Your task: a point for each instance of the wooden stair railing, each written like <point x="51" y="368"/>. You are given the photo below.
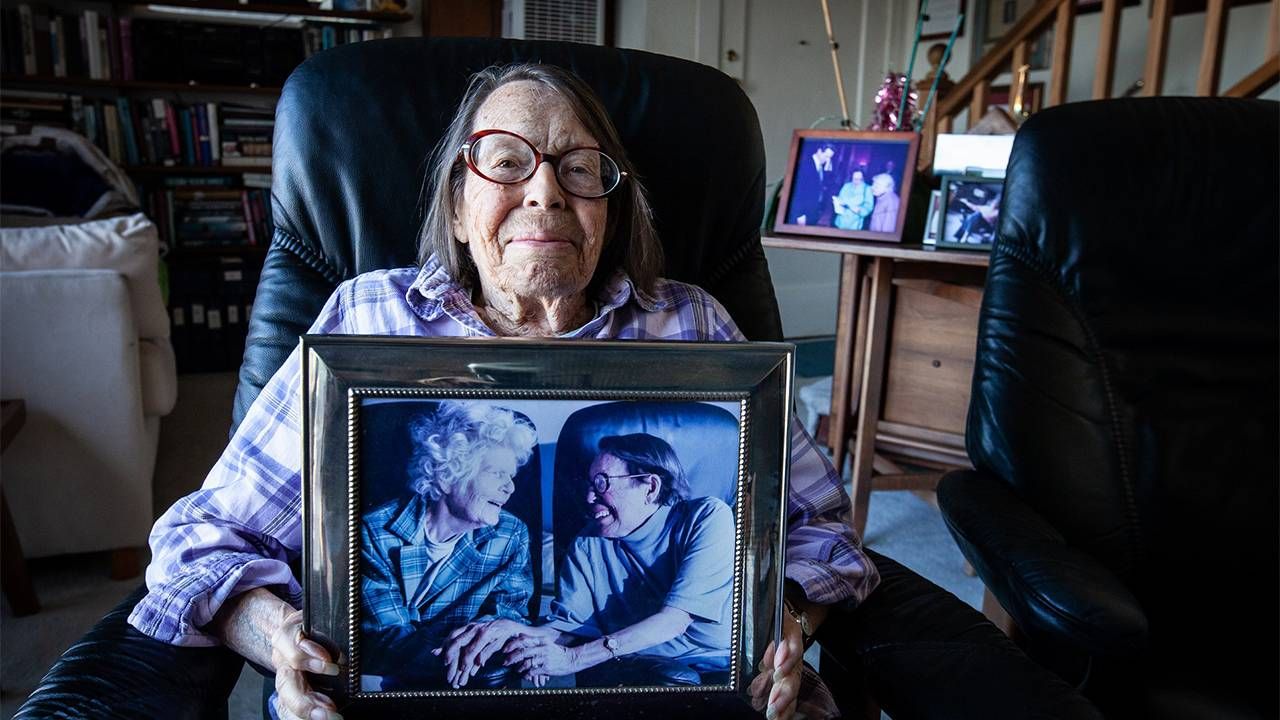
<point x="1011" y="53"/>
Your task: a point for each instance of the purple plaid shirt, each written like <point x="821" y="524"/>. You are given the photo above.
<point x="244" y="526"/>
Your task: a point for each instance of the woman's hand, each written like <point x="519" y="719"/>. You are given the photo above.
<point x="469" y="647"/>
<point x="293" y="654"/>
<point x="539" y="656"/>
<point x="775" y="690"/>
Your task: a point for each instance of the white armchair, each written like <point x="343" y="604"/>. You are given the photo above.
<point x="84" y="340"/>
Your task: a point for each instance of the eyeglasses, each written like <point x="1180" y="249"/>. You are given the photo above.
<point x="600" y="481"/>
<point x="507" y="159"/>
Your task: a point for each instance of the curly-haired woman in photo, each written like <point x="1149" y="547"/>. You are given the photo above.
<point x="445" y="553"/>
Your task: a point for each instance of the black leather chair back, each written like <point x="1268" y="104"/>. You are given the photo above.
<point x="355" y="124"/>
<point x="1126" y="374"/>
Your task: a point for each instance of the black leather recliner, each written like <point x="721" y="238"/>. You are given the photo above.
<point x="353" y="127"/>
<point x="1125" y="403"/>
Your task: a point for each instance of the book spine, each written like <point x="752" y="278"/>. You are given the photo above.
<point x="184" y="126"/>
<point x="60" y="56"/>
<point x="248" y="217"/>
<point x="126" y="131"/>
<point x="104" y="59"/>
<point x="28" y="39"/>
<point x="114" y="60"/>
<point x="175" y="137"/>
<point x="201" y="130"/>
<point x="113" y="134"/>
<point x="92" y="50"/>
<point x="215" y="139"/>
<point x="126" y="48"/>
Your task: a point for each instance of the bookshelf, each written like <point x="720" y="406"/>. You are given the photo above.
<point x="181" y="95"/>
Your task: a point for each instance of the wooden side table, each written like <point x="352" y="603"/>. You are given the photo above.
<point x="13" y="566"/>
<point x="906" y="330"/>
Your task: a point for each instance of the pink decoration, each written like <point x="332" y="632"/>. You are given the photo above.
<point x="888" y="100"/>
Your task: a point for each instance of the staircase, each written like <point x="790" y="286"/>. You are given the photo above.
<point x="1011" y="53"/>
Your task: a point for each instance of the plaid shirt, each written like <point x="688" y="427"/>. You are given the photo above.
<point x="486" y="577"/>
<point x="244" y="526"/>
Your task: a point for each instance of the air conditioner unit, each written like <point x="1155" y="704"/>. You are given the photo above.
<point x="572" y="20"/>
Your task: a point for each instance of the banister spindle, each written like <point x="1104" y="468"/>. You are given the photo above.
<point x="1215" y="29"/>
<point x="1157" y="46"/>
<point x="1061" y="72"/>
<point x="1108" y="38"/>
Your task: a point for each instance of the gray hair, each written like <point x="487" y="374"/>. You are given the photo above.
<point x="645" y="453"/>
<point x="448" y="444"/>
<point x="630" y="240"/>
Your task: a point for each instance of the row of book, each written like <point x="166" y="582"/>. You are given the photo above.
<point x="209" y="307"/>
<point x="156" y="131"/>
<point x="39" y="40"/>
<point x="211" y="217"/>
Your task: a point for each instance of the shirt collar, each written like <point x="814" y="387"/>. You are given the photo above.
<point x="434" y="288"/>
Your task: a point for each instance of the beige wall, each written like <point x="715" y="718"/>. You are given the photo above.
<point x="785" y="68"/>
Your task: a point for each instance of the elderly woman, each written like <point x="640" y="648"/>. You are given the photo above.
<point x="884" y="218"/>
<point x="537" y="226"/>
<point x="446" y="554"/>
<point x="854" y="203"/>
<point x="644" y="592"/>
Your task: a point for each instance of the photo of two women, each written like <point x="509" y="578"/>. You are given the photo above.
<point x="517" y="543"/>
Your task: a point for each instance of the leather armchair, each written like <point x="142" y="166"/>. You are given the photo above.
<point x="1123" y="424"/>
<point x="352" y="129"/>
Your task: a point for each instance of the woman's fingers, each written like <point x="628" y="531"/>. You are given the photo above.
<point x="290" y="649"/>
<point x="295" y="698"/>
<point x="790" y="653"/>
<point x="759" y="690"/>
<point x="483" y="644"/>
<point x="782" y="699"/>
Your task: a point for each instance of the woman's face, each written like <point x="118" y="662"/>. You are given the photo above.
<point x="531" y="239"/>
<point x="625" y="505"/>
<point x="477" y="500"/>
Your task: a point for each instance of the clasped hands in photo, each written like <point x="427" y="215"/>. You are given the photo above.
<point x="533" y="652"/>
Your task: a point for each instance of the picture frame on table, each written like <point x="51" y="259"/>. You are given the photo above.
<point x="932" y="219"/>
<point x="969" y="211"/>
<point x="502" y="444"/>
<point x="848" y="184"/>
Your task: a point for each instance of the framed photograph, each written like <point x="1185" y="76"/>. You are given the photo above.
<point x="970" y="211"/>
<point x="847" y="184"/>
<point x="475" y="508"/>
<point x="933" y="218"/>
<point x="941" y="19"/>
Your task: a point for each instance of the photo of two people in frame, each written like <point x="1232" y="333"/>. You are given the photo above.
<point x="516" y="543"/>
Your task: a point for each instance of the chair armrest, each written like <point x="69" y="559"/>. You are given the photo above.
<point x="1047" y="586"/>
<point x="114" y="671"/>
<point x="923" y="653"/>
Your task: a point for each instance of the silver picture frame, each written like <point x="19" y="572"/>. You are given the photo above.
<point x="358" y="392"/>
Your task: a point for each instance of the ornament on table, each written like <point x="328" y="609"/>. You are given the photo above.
<point x="889" y="103"/>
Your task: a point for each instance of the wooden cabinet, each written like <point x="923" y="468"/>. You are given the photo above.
<point x="906" y="332"/>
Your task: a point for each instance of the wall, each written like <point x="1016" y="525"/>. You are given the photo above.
<point x="786" y="71"/>
<point x="1245" y="44"/>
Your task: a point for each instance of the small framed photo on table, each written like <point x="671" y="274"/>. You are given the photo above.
<point x="847" y="184"/>
<point x="474" y="508"/>
<point x="970" y="210"/>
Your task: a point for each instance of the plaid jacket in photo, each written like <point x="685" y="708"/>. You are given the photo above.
<point x="487" y="576"/>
